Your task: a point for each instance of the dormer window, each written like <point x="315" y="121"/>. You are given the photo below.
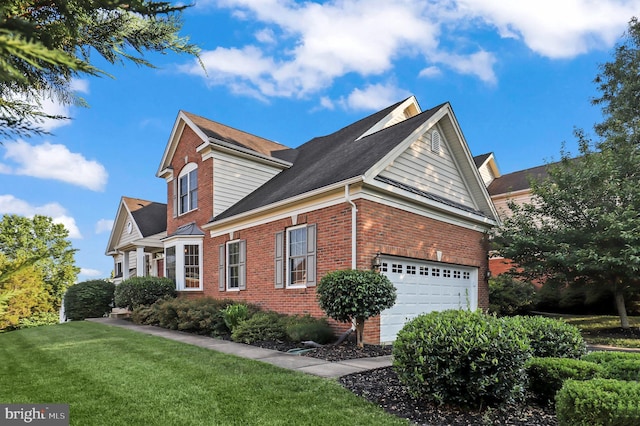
<point x="188" y="188"/>
<point x="435" y="141"/>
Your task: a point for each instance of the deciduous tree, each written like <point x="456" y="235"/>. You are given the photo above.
<point x="583" y="223"/>
<point x="36" y="263"/>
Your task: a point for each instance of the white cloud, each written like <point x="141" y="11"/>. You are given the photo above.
<point x="556" y="29"/>
<point x="375" y="96"/>
<point x="80" y="86"/>
<point x="12" y="205"/>
<point x="88" y="272"/>
<point x="54" y="161"/>
<point x="320" y="42"/>
<point x="266" y="36"/>
<point x="309" y="45"/>
<point x="431" y="71"/>
<point x="104" y="225"/>
<point x="51" y="105"/>
<point x="479" y="64"/>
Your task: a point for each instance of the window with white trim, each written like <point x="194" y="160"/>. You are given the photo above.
<point x="233" y="265"/>
<point x="191" y="266"/>
<point x="188" y="188"/>
<point x="297" y="256"/>
<point x="183" y="264"/>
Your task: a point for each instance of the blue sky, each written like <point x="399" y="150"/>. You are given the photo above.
<point x="519" y="75"/>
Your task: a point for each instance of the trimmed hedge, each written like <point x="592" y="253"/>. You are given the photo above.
<point x="462" y="357"/>
<point x="546" y="375"/>
<point x="200" y="316"/>
<point x="88" y="299"/>
<point x="261" y="326"/>
<point x="551" y="337"/>
<point x="617" y="365"/>
<point x="137" y="291"/>
<point x="303" y="328"/>
<point x="602" y="357"/>
<point x="598" y="402"/>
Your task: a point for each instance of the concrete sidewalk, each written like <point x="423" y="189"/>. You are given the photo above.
<point x="304" y="364"/>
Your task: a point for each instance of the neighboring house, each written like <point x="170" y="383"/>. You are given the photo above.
<point x="252" y="220"/>
<point x="504" y="188"/>
<point x="136" y="238"/>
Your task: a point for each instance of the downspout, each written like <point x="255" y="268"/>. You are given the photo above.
<point x="354" y="213"/>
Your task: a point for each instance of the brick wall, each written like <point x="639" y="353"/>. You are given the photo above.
<point x="186" y="153"/>
<point x="380" y="229"/>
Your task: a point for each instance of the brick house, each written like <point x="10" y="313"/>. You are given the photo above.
<point x="251" y="220"/>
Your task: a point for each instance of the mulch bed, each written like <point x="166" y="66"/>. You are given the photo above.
<point x="382" y="387"/>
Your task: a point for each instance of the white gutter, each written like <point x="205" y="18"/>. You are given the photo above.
<point x="354" y="211"/>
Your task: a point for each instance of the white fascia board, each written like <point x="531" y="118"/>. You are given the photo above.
<point x="207" y="148"/>
<point x="512" y="194"/>
<point x="183" y="238"/>
<point x="383" y="122"/>
<point x="289" y="201"/>
<point x="178" y="127"/>
<point x="439" y="211"/>
<point x="471" y="164"/>
<point x="118" y="224"/>
<point x="377" y="168"/>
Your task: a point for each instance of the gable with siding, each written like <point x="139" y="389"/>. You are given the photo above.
<point x="427" y="170"/>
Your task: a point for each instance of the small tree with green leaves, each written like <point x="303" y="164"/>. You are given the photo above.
<point x="350" y="294"/>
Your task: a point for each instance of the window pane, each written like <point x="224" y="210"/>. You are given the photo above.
<point x="193" y="189"/>
<point x="298" y="270"/>
<point x="170" y="262"/>
<point x="297" y="242"/>
<point x="233" y="261"/>
<point x="191" y="266"/>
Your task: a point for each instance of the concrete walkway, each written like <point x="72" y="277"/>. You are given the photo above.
<point x="304" y="364"/>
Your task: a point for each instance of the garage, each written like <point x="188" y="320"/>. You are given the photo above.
<point x="425" y="287"/>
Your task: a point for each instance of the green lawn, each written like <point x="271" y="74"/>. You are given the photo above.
<point x="594" y="329"/>
<point x="112" y="376"/>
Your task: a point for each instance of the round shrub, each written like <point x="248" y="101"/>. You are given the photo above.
<point x="351" y="294"/>
<point x="552" y="337"/>
<point x="509" y="296"/>
<point x="88" y="299"/>
<point x="261" y="326"/>
<point x="461" y="357"/>
<point x="137" y="291"/>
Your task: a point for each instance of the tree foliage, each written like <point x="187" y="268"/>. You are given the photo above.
<point x="36" y="265"/>
<point x="350" y="294"/>
<point x="44" y="44"/>
<point x="583" y="223"/>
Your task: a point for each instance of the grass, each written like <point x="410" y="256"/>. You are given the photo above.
<point x="595" y="329"/>
<point x="112" y="376"/>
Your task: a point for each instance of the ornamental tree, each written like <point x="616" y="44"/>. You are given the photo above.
<point x="355" y="295"/>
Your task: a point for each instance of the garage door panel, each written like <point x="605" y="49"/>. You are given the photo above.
<point x="425" y="287"/>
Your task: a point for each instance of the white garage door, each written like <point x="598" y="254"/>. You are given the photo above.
<point x="425" y="287"/>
